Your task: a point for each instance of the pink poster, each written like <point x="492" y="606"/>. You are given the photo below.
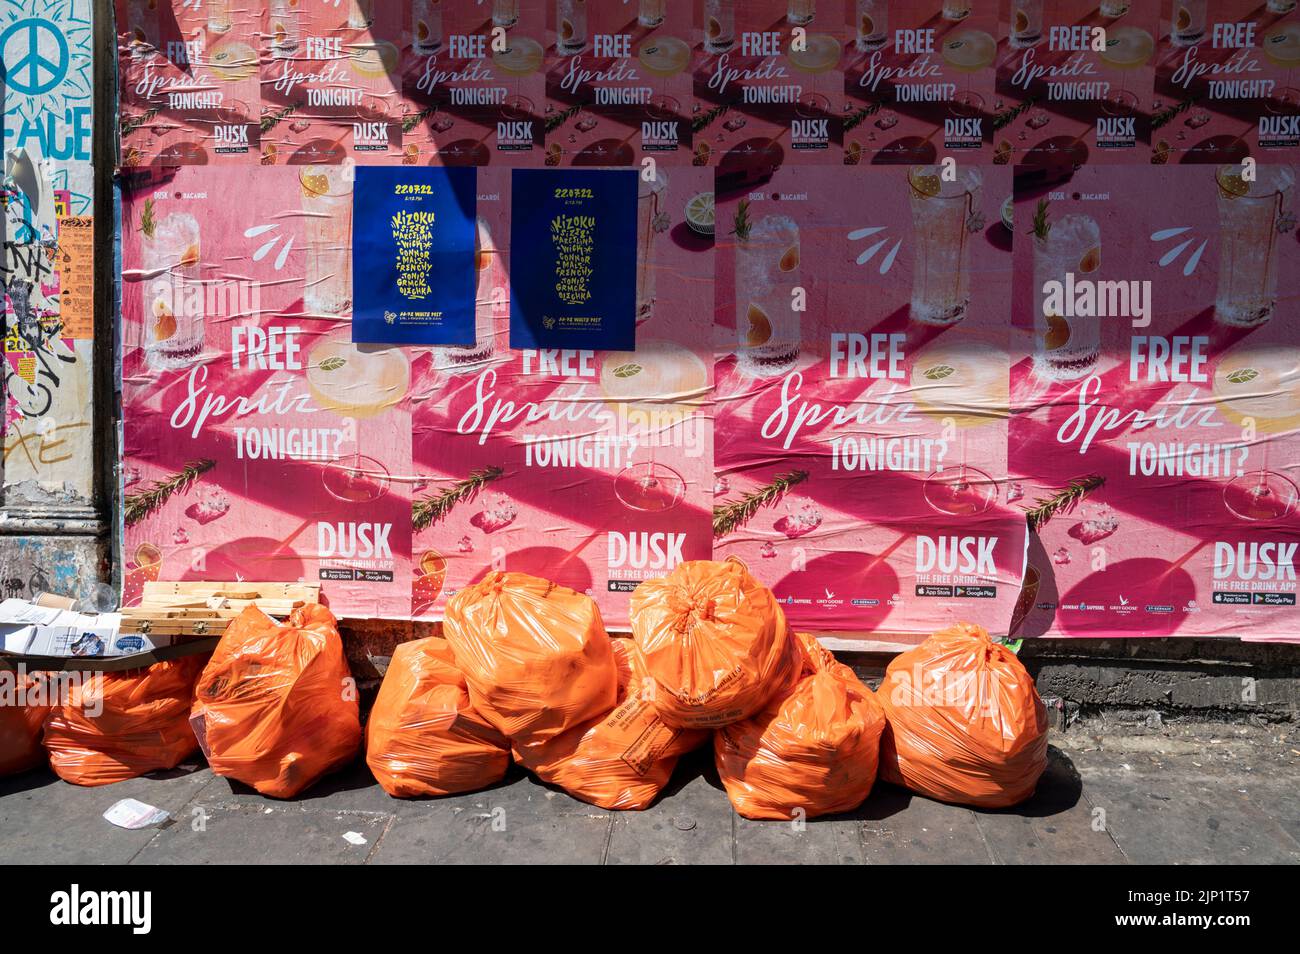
<point x="188" y="82"/>
<point x="1074" y="83"/>
<point x="259" y="442"/>
<point x="1225" y="83"/>
<point x="1157" y="400"/>
<point x="593" y="469"/>
<point x="618" y="83"/>
<point x="473" y="82"/>
<point x="862" y="401"/>
<point x="769" y="85"/>
<point x="920" y="80"/>
<point x="331" y="81"/>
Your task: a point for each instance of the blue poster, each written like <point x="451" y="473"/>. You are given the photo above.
<point x="573" y="259"/>
<point x="413" y="234"/>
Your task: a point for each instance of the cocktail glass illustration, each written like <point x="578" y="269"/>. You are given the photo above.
<point x="651" y="12"/>
<point x="571" y="26"/>
<point x="357" y="382"/>
<point x="650" y="205"/>
<point x="942" y="218"/>
<point x="800" y="12"/>
<point x="174" y="293"/>
<point x="361" y="14"/>
<point x="1114" y="8"/>
<point x="719" y="25"/>
<point x="968" y="52"/>
<point x="143" y="25"/>
<point x="1189" y="22"/>
<point x="505" y="13"/>
<point x="652" y="391"/>
<point x="1260" y="383"/>
<point x="219" y="16"/>
<point x="489" y="298"/>
<point x="873" y="24"/>
<point x="1281" y="44"/>
<point x="1065" y="348"/>
<point x="1127" y="48"/>
<point x="956" y="9"/>
<point x="768" y="336"/>
<point x="1249" y="215"/>
<point x="283" y="27"/>
<point x="1026" y="23"/>
<point x="426" y="26"/>
<point x="327" y="205"/>
<point x="965" y="385"/>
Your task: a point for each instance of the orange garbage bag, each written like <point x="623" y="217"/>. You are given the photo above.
<point x="23" y="708"/>
<point x="816" y="748"/>
<point x="966" y="724"/>
<point x="715" y="642"/>
<point x="119" y="725"/>
<point x="535" y="655"/>
<point x="275" y="707"/>
<point x="621" y="760"/>
<point x="423" y="736"/>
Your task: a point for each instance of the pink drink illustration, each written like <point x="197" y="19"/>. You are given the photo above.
<point x="174" y="292"/>
<point x="943" y="214"/>
<point x="1249" y="216"/>
<point x="1066" y="348"/>
<point x="767" y="272"/>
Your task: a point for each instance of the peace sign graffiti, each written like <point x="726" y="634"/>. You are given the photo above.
<point x="27" y="68"/>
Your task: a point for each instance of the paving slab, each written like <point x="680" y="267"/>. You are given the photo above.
<point x="691" y="823"/>
<point x="271" y="834"/>
<point x="900" y="828"/>
<point x="44" y="820"/>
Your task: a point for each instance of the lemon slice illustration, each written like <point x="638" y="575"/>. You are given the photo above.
<point x="374" y="59"/>
<point x="233" y="60"/>
<point x="664" y="55"/>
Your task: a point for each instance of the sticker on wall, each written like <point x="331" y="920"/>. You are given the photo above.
<point x="574" y="285"/>
<point x="413" y="255"/>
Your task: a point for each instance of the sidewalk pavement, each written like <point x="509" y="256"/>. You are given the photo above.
<point x="1228" y="794"/>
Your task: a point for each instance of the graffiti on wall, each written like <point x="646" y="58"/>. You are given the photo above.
<point x="46" y="197"/>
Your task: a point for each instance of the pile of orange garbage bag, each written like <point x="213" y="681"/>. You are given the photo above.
<point x="276" y="707"/>
<point x="424" y="736"/>
<point x="966" y="724"/>
<point x="118" y="725"/>
<point x="535" y="655"/>
<point x="815" y="749"/>
<point x="21" y="721"/>
<point x="620" y="760"/>
<point x="714" y="641"/>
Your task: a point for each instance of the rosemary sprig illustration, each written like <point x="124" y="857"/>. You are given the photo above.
<point x="147" y="222"/>
<point x="1009" y="116"/>
<point x="1166" y="115"/>
<point x="410" y="122"/>
<point x="138" y="506"/>
<point x="704" y="119"/>
<point x="556" y="120"/>
<point x="1042" y="224"/>
<point x="1063" y="501"/>
<point x="431" y="509"/>
<point x="855" y="119"/>
<point x="740" y="228"/>
<point x="271" y="120"/>
<point x="131" y="124"/>
<point x="734" y="514"/>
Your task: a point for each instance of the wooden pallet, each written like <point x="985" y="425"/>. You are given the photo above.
<point x="205" y="609"/>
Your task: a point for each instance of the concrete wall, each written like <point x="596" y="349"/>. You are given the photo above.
<point x="58" y="429"/>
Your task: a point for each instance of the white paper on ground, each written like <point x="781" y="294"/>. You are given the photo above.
<point x="133" y="814"/>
